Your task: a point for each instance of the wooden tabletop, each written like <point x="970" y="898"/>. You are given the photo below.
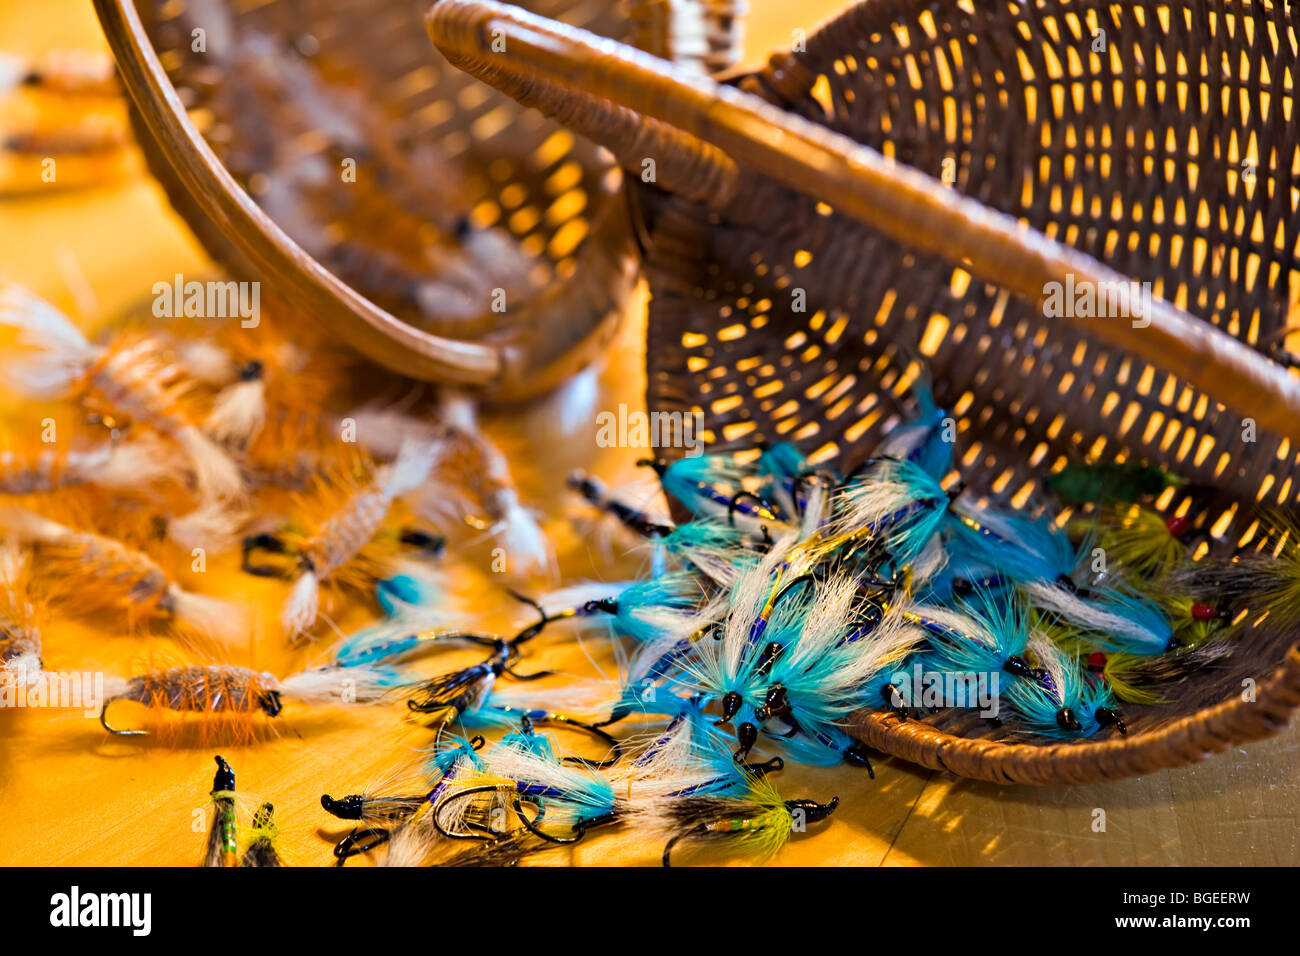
<point x="72" y="795"/>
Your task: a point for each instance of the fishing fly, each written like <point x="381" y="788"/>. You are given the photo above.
<point x="222" y="849"/>
<point x="136" y="377"/>
<point x="757" y="823"/>
<point x="117" y="466"/>
<point x="342" y="547"/>
<point x="239" y="693"/>
<point x="260" y="851"/>
<point x="102" y="573"/>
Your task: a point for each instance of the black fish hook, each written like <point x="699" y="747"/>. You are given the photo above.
<point x="615" y="748"/>
<point x="532" y="630"/>
<point x="802" y="580"/>
<point x="580" y="828"/>
<point x="806" y="478"/>
<point x="564" y="720"/>
<point x="813" y="812"/>
<point x="776" y="703"/>
<point x="731" y="704"/>
<point x="677" y="838"/>
<point x="355" y="843"/>
<point x="857" y="755"/>
<point x="594" y="493"/>
<point x="544" y="618"/>
<point x="774" y="765"/>
<point x="762" y="502"/>
<point x="485" y="833"/>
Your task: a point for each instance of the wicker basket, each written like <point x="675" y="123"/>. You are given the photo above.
<point x="821" y="178"/>
<point x="441" y="163"/>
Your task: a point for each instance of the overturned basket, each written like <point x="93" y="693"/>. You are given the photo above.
<point x="817" y="185"/>
<point x="430" y="223"/>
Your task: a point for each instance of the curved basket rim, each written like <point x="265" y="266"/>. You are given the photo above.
<point x="346" y="312"/>
<point x="1179" y="743"/>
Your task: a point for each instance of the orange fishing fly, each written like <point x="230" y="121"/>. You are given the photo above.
<point x="345" y="547"/>
<point x="101" y="573"/>
<point x="231" y="699"/>
<point x="136" y="376"/>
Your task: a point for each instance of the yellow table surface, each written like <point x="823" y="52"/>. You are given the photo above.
<point x="72" y="795"/>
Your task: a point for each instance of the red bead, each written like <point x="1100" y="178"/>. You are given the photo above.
<point x="1204" y="612"/>
<point x="1097" y="661"/>
<point x="1178" y="526"/>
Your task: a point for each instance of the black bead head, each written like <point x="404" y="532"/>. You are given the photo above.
<point x="270" y="703"/>
<point x="731" y="702"/>
<point x="1066" y="720"/>
<point x="349" y="808"/>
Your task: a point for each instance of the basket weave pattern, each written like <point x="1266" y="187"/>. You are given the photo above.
<point x="1088" y="148"/>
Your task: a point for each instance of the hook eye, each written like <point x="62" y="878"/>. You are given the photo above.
<point x="763" y="769"/>
<point x="858" y="756"/>
<point x="746" y="737"/>
<point x="1066" y="720"/>
<point x="814" y="812"/>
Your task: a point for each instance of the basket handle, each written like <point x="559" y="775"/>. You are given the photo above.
<point x="708" y="129"/>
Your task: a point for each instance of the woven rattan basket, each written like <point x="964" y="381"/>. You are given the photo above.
<point x="248" y="112"/>
<point x="1171" y="157"/>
